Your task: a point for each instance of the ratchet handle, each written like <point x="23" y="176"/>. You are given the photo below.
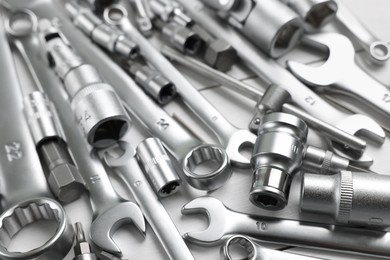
<point x="297" y="233"/>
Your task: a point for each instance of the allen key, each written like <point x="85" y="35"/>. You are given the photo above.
<point x="334" y="133"/>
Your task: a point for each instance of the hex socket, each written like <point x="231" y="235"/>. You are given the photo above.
<point x="353" y="198"/>
<point x="158" y="167"/>
<point x="181" y="38"/>
<point x="278" y="153"/>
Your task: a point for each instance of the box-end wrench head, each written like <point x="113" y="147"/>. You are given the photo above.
<point x="255" y="251"/>
<point x="340" y="74"/>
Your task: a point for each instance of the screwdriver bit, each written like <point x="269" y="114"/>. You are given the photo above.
<point x="82" y="250"/>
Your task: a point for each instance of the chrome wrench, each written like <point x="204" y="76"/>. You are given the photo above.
<point x="255" y="251"/>
<point x="379" y="51"/>
<point x="230" y="137"/>
<point x="271" y="72"/>
<point x="110" y="211"/>
<point x="127" y="167"/>
<point x="340" y="73"/>
<point x="224" y="222"/>
<point x="23" y="186"/>
<point x="179" y="142"/>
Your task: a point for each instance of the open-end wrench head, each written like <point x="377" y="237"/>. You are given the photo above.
<point x="216" y="212"/>
<point x="238" y="141"/>
<point x="341" y="57"/>
<point x="105" y="225"/>
<point x="362" y="125"/>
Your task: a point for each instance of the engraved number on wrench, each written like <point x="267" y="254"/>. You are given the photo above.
<point x="14" y="151"/>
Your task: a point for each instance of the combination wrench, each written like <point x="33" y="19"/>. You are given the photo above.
<point x="187" y="149"/>
<point x="126" y="166"/>
<point x="379" y="51"/>
<point x="224" y="222"/>
<point x="340" y="73"/>
<point x="109" y="210"/>
<point x="272" y="73"/>
<point x="230" y="137"/>
<point x="25" y="195"/>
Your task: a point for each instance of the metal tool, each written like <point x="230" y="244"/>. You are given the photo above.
<point x="280" y="27"/>
<point x="379" y="51"/>
<point x="230" y="137"/>
<point x="280" y="151"/>
<point x="272" y="73"/>
<point x="255" y="251"/>
<point x="109" y="210"/>
<point x="126" y="165"/>
<point x="158" y="167"/>
<point x="180" y="37"/>
<point x="224" y="222"/>
<point x="315" y="13"/>
<point x="82" y="250"/>
<point x="142" y="18"/>
<point x="168" y="10"/>
<point x="218" y="53"/>
<point x="153" y="82"/>
<point x="62" y="175"/>
<point x="350" y="198"/>
<point x="86" y="90"/>
<point x="106" y="36"/>
<point x="334" y="133"/>
<point x="340" y="74"/>
<point x="178" y="141"/>
<point x="25" y="195"/>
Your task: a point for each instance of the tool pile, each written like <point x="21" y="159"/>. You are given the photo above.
<point x="76" y="72"/>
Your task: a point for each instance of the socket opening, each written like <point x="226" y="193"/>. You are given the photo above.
<point x="286" y="35"/>
<point x="108" y="132"/>
<point x="321" y="14"/>
<point x="167" y="93"/>
<point x="192" y="44"/>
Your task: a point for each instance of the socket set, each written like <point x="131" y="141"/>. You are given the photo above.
<point x="123" y="122"/>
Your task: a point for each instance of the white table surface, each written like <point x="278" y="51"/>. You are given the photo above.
<point x="238" y="110"/>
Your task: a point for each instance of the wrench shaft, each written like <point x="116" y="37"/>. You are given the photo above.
<point x="153" y="210"/>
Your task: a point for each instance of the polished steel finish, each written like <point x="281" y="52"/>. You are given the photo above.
<point x="23" y="186"/>
<point x="158" y="167"/>
<point x="62" y="175"/>
<point x="315" y="13"/>
<point x="169" y="11"/>
<point x="181" y="37"/>
<point x="177" y="140"/>
<point x="82" y="250"/>
<point x="379" y="51"/>
<point x="218" y="53"/>
<point x="272" y="73"/>
<point x="340" y="73"/>
<point x="210" y="180"/>
<point x="27" y="212"/>
<point x="142" y="18"/>
<point x="110" y="211"/>
<point x="350" y="198"/>
<point x="153" y="82"/>
<point x="96" y="106"/>
<point x="256" y="251"/>
<point x="280" y="151"/>
<point x="230" y="137"/>
<point x="224" y="222"/>
<point x="336" y="134"/>
<point x="270" y="25"/>
<point x="100" y="33"/>
<point x="126" y="165"/>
